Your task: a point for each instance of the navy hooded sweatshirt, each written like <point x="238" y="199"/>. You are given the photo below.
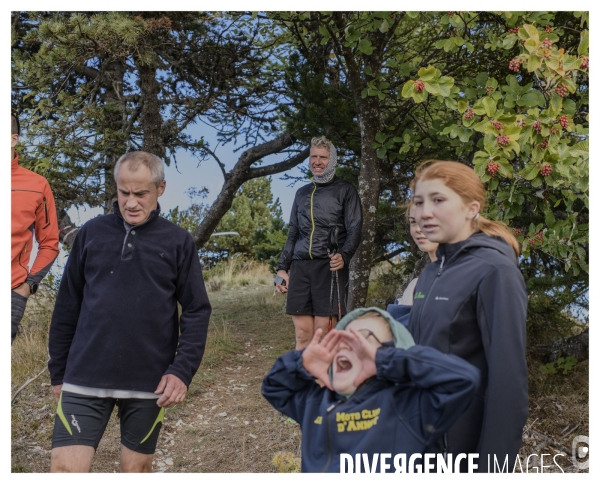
<point x="416" y="395"/>
<point x="115" y="323"/>
<point x="472" y="302"/>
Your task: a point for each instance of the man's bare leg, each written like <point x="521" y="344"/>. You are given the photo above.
<point x="72" y="458"/>
<point x="132" y="461"/>
<point x="323" y="323"/>
<point x="305" y="330"/>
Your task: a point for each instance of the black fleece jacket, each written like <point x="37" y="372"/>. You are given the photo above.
<point x="472" y="302"/>
<point x="317" y="207"/>
<point x="115" y="323"/>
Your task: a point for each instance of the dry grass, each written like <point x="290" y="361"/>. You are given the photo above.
<point x="237" y="272"/>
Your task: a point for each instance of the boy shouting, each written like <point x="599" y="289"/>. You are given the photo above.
<point x="382" y="394"/>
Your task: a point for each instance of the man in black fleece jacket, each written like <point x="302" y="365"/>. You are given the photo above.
<point x="115" y="335"/>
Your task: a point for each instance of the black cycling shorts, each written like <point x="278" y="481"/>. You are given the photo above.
<point x="309" y="288"/>
<point x="82" y="420"/>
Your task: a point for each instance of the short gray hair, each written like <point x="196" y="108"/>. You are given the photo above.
<point x="150" y="161"/>
<point x="322" y="142"/>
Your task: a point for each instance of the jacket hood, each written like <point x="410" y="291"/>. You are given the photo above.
<point x="402" y="337"/>
<point x="478" y="239"/>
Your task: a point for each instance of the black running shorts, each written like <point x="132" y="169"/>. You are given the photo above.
<point x="309" y="288"/>
<point x="81" y="420"/>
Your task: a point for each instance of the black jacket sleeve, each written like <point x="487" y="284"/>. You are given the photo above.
<point x="288" y="385"/>
<point x="501" y="314"/>
<point x="66" y="310"/>
<point x="449" y="384"/>
<point x="195" y="314"/>
<point x="288" y="251"/>
<point x="353" y="225"/>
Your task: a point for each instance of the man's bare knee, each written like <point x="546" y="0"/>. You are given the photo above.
<point x="132" y="461"/>
<point x="304" y="328"/>
<point x="72" y="458"/>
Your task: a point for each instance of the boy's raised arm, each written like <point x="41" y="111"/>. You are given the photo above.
<point x="292" y="377"/>
<point x="449" y="382"/>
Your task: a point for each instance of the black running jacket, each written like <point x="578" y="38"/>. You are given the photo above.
<point x="317" y="208"/>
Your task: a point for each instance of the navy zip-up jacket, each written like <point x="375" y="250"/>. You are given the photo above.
<point x="416" y="395"/>
<point x="472" y="302"/>
<point x="115" y="323"/>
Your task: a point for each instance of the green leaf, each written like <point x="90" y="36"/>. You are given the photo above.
<point x="408" y="89"/>
<point x="445" y="84"/>
<point x="532" y="31"/>
<point x="555" y="105"/>
<point x="489" y="105"/>
<point x="412" y="14"/>
<point x="432" y="87"/>
<point x="365" y="46"/>
<point x="533" y="98"/>
<point x="451" y="103"/>
<point x="462" y="106"/>
<point x="584" y="43"/>
<point x="380" y="137"/>
<point x="534" y="62"/>
<point x="550" y="220"/>
<point x="427" y="73"/>
<point x="530" y="171"/>
<point x="419" y="97"/>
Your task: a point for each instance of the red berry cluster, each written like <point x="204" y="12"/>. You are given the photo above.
<point x="546" y="170"/>
<point x="518" y="232"/>
<point x="548" y="29"/>
<point x="493" y="167"/>
<point x="554" y="131"/>
<point x="514" y="30"/>
<point x="544" y="144"/>
<point x="419" y="86"/>
<point x="537" y="127"/>
<point x="585" y="62"/>
<point x="537" y="237"/>
<point x="515" y="65"/>
<point x="470" y="114"/>
<point x="502" y="140"/>
<point x="489" y="89"/>
<point x="521" y="123"/>
<point x="450" y="14"/>
<point x="497" y="124"/>
<point x="561" y="90"/>
<point x="564" y="122"/>
<point x="547" y="43"/>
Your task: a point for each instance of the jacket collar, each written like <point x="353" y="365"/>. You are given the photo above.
<point x="153" y="215"/>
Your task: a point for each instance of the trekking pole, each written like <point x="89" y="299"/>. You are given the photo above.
<point x="332" y="248"/>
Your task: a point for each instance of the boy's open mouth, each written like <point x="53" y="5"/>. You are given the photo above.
<point x="342" y="364"/>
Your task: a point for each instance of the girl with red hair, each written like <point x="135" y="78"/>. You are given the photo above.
<point x="472" y="302"/>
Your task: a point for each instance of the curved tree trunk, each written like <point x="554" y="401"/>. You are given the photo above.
<point x="241" y="172"/>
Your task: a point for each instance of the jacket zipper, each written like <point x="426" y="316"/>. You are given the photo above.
<point x="429" y="292"/>
<point x="312" y="220"/>
<point x="329" y="411"/>
<point x="46" y="212"/>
